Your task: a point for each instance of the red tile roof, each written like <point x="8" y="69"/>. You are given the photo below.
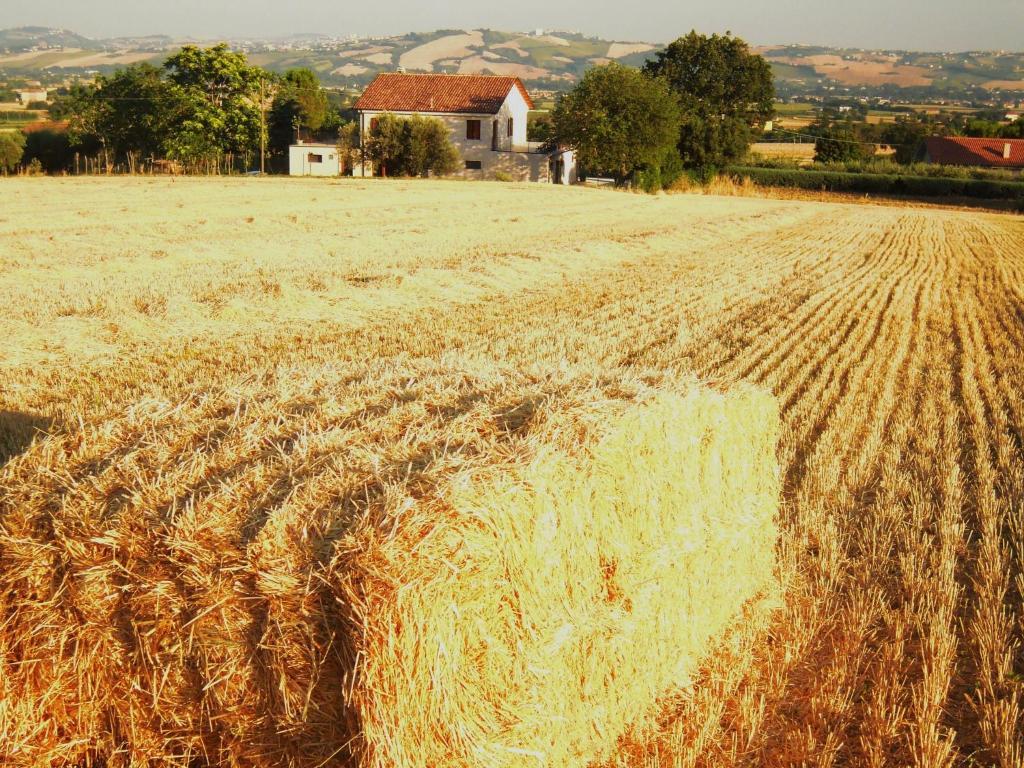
<point x="960" y="150"/>
<point x="460" y="94"/>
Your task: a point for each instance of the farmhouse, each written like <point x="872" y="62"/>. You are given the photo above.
<point x="30" y="95"/>
<point x="486" y="116"/>
<point x="986" y="153"/>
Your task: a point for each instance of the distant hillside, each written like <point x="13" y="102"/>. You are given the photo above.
<point x="804" y="68"/>
<point x="552" y="60"/>
<point x="23" y="39"/>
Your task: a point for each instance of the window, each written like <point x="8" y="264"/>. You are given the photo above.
<point x="510" y="127"/>
<point x="474" y="165"/>
<point x="473" y="130"/>
<point x="315" y="158"/>
<point x="374" y="122"/>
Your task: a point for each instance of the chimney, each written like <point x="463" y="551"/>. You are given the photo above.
<point x="1006" y="151"/>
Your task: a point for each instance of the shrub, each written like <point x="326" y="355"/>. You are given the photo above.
<point x="415" y="146"/>
<point x="51" y="150"/>
<point x="883" y="184"/>
<point x="12" y="147"/>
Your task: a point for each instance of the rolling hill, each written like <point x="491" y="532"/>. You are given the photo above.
<point x="552" y="60"/>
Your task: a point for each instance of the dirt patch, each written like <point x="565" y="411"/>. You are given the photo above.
<point x="1006" y="85"/>
<point x="17" y="58"/>
<point x="349" y="69"/>
<point x="105" y="60"/>
<point x="619" y="50"/>
<point x="478" y="64"/>
<point x="880" y="70"/>
<point x="514" y="47"/>
<point x="378" y="58"/>
<point x="450" y="47"/>
<point x="553" y="40"/>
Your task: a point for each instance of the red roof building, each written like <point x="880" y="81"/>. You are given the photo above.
<point x="486" y="118"/>
<point x="440" y="94"/>
<point x="986" y="153"/>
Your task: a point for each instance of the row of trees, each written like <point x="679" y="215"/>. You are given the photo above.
<point x="205" y="108"/>
<point x="696" y="106"/>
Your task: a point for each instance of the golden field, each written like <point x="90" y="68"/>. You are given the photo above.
<point x="231" y="372"/>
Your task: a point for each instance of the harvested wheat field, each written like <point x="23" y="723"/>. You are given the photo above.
<point x="415" y="473"/>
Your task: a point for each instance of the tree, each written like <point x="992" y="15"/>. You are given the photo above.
<point x="906" y="137"/>
<point x="617" y="119"/>
<point x="429" y="150"/>
<point x="12" y="147"/>
<point x="300" y="102"/>
<point x="136" y="112"/>
<point x="385" y="145"/>
<point x="348" y="145"/>
<point x="51" y="149"/>
<point x="1014" y="130"/>
<point x="303" y="86"/>
<point x="838" y="143"/>
<point x="727" y="93"/>
<point x="538" y="127"/>
<point x="415" y="146"/>
<point x="220" y="104"/>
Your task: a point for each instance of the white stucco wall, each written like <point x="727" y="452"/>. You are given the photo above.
<point x="299" y="165"/>
<point x="569" y="174"/>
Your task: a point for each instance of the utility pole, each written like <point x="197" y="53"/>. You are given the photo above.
<point x="263" y="126"/>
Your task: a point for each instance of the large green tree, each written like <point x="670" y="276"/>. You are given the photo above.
<point x="618" y="120"/>
<point x="136" y="112"/>
<point x="220" y="97"/>
<point x="429" y="150"/>
<point x="726" y="92"/>
<point x="906" y="136"/>
<point x="838" y="142"/>
<point x="299" y="103"/>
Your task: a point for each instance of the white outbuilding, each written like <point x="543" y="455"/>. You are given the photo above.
<point x="314" y="160"/>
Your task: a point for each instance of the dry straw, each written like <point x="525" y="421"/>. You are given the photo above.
<point x="526" y="603"/>
<point x="534" y="616"/>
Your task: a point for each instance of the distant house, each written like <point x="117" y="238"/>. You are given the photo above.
<point x="29" y="95"/>
<point x="314" y="160"/>
<point x="983" y="153"/>
<point x="486" y="116"/>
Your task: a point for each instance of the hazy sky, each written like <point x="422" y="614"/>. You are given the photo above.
<point x="911" y="24"/>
